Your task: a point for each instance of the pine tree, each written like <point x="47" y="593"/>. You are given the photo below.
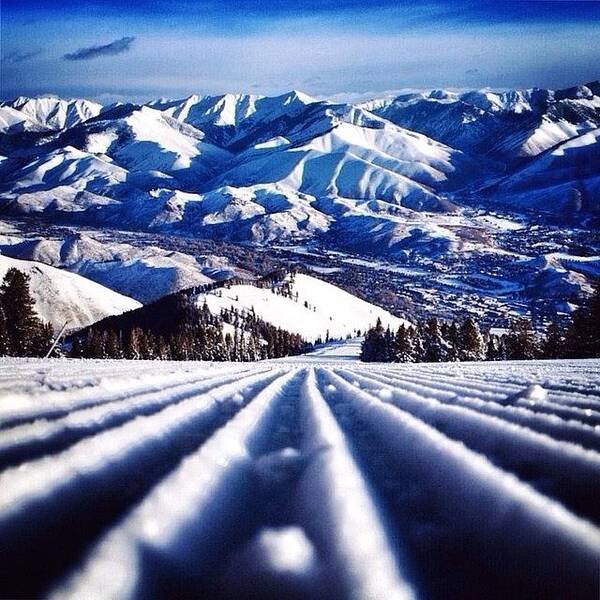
<point x="492" y="350"/>
<point x="132" y="344"/>
<point x="162" y="350"/>
<point x="95" y="344"/>
<point x="374" y="347"/>
<point x="113" y="347"/>
<point x="434" y="345"/>
<point x="403" y="345"/>
<point x="76" y="349"/>
<point x="43" y="341"/>
<point x="25" y="334"/>
<point x="147" y="345"/>
<point x="452" y="337"/>
<point x="471" y="346"/>
<point x="521" y="343"/>
<point x="553" y="343"/>
<point x="583" y="335"/>
<point x="242" y="349"/>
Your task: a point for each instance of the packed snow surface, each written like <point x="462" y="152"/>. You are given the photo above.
<point x="313" y="477"/>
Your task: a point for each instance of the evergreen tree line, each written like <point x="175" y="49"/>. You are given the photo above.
<point x="438" y="341"/>
<point x="194" y="333"/>
<point x="22" y="332"/>
<point x="271" y="279"/>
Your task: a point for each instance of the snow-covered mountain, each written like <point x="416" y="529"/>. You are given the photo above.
<point x="13" y="121"/>
<point x="66" y="297"/>
<point x="412" y="178"/>
<point x="311" y="307"/>
<point x="503" y="125"/>
<point x="145" y="273"/>
<point x="563" y="180"/>
<point x="47" y="113"/>
<point x="289" y="168"/>
<point x="237" y="119"/>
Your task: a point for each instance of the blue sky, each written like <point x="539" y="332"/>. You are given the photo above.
<point x="109" y="49"/>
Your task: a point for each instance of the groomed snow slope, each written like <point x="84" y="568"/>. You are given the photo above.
<point x="318" y="308"/>
<point x="293" y="479"/>
<point x="60" y="296"/>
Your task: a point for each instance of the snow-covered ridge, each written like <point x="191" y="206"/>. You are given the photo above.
<point x="145" y="274"/>
<point x="506" y="125"/>
<point x="50" y="112"/>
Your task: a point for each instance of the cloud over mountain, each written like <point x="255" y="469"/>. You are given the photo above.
<point x="116" y="47"/>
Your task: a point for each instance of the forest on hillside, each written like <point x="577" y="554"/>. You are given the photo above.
<point x="176" y="327"/>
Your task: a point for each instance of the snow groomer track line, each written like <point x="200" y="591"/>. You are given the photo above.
<point x="304" y="478"/>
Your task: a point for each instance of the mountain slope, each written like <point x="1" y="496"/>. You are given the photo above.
<point x="14" y="121"/>
<point x="294" y="170"/>
<point x="505" y="126"/>
<point x="61" y="296"/>
<point x="310" y="308"/>
<point x="564" y="180"/>
<point x="49" y="112"/>
<point x="142" y="139"/>
<point x="145" y="274"/>
<point x="233" y="119"/>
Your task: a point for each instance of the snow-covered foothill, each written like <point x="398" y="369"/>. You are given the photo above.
<point x="312" y="308"/>
<point x="61" y="297"/>
<point x="121" y="267"/>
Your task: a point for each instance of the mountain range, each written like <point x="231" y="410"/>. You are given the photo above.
<point x="431" y="174"/>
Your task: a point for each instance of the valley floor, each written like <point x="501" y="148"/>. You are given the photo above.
<point x="313" y="477"/>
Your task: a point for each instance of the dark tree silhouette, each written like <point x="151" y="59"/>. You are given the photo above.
<point x="22" y="332"/>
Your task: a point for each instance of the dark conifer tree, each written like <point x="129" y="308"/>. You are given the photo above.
<point x="25" y="334"/>
<point x="76" y="349"/>
<point x="553" y="345"/>
<point x="583" y="334"/>
<point x="132" y="344"/>
<point x="374" y="347"/>
<point x="435" y="347"/>
<point x="403" y="345"/>
<point x="162" y="351"/>
<point x="521" y="343"/>
<point x="113" y="347"/>
<point x="492" y="349"/>
<point x="471" y="345"/>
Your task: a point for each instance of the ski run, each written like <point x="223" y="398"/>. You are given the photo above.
<point x="314" y="477"/>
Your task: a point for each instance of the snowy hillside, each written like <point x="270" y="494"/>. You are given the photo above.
<point x="312" y="308"/>
<point x="143" y="139"/>
<point x="236" y="119"/>
<point x="563" y="180"/>
<point x="13" y="121"/>
<point x="61" y="296"/>
<point x="292" y="480"/>
<point x="146" y="273"/>
<point x="351" y="155"/>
